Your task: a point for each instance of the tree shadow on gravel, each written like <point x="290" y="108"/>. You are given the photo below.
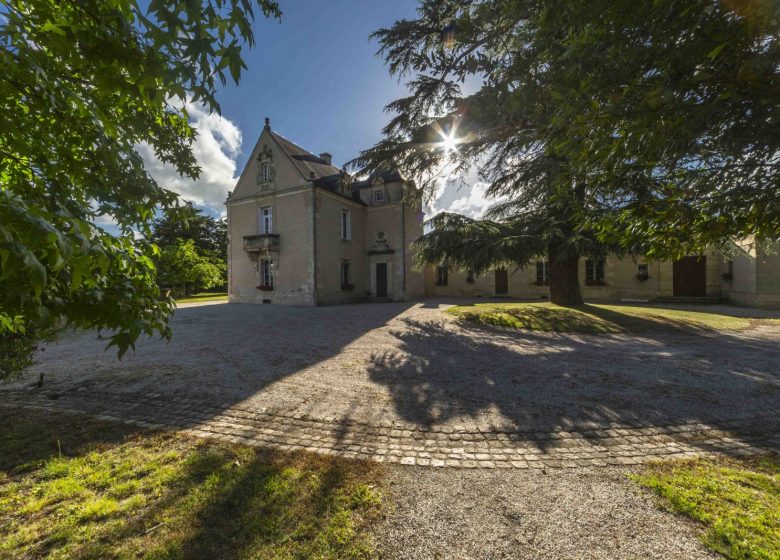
<point x="546" y="382"/>
<point x="222" y="353"/>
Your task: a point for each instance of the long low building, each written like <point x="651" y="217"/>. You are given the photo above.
<point x="304" y="232"/>
<point x="750" y="278"/>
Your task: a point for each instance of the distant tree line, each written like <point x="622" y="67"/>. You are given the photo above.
<point x="193" y="250"/>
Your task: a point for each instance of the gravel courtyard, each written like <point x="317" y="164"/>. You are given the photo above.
<point x="535" y="431"/>
<point x="404" y="382"/>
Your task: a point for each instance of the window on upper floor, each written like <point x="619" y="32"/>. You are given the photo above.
<point x="542" y="273"/>
<point x="594" y="271"/>
<point x="265" y="172"/>
<point x="266" y="219"/>
<point x="379" y="196"/>
<point x="442" y="275"/>
<point x="346" y="225"/>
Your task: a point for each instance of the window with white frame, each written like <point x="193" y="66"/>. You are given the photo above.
<point x="542" y="273"/>
<point x="379" y="196"/>
<point x="346" y="280"/>
<point x="594" y="272"/>
<point x="265" y="172"/>
<point x="266" y="219"/>
<point x="267" y="274"/>
<point x="346" y="225"/>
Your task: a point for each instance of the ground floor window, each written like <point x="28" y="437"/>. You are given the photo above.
<point x="542" y="273"/>
<point x="346" y="275"/>
<point x="441" y="276"/>
<point x="594" y="271"/>
<point x="267" y="274"/>
<point x="643" y="271"/>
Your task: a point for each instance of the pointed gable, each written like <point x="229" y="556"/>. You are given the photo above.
<point x="292" y="166"/>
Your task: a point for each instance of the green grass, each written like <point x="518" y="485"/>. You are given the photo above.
<point x="118" y="493"/>
<point x="599" y="318"/>
<point x="737" y="501"/>
<point x="203" y="297"/>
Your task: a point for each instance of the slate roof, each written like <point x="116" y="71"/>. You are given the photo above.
<point x="325" y="175"/>
<point x="306" y="162"/>
<point x="386" y="176"/>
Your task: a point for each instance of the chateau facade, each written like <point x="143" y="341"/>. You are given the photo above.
<point x="301" y="231"/>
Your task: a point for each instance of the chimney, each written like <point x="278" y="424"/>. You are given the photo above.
<point x="327" y="157"/>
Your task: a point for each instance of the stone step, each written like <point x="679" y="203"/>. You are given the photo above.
<point x="679" y="299"/>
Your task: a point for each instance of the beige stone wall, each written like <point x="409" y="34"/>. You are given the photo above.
<point x="743" y="269"/>
<point x="386" y="218"/>
<point x="331" y="250"/>
<point x="284" y="175"/>
<point x="756" y="271"/>
<point x="415" y="285"/>
<point x="621" y="280"/>
<point x="714" y="273"/>
<point x="620" y="283"/>
<point x="293" y="270"/>
<point x="768" y="270"/>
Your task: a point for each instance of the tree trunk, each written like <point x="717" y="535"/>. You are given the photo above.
<point x="565" y="281"/>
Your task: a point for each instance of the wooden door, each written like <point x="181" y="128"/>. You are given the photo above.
<point x="381" y="280"/>
<point x="690" y="277"/>
<point x="502" y="282"/>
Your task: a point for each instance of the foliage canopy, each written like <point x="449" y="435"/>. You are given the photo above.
<point x="81" y="85"/>
<point x="648" y="127"/>
<point x="183" y="267"/>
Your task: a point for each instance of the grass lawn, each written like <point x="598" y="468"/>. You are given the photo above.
<point x="591" y="318"/>
<point x="204" y="296"/>
<point x="737" y="501"/>
<point x="71" y="487"/>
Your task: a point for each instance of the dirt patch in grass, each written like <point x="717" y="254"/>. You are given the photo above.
<point x="71" y="487"/>
<point x="601" y="318"/>
<point x="737" y="501"/>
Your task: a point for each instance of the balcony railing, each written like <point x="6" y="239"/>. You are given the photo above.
<point x="261" y="243"/>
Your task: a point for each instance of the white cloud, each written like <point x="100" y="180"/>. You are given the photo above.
<point x="216" y="148"/>
<point x="465" y="195"/>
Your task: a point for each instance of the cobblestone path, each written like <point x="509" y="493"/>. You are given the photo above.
<point x="460" y="446"/>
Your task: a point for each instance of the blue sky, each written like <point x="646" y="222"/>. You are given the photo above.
<point x="317" y="76"/>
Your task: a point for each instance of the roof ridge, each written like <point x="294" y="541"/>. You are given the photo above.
<point x="294" y="145"/>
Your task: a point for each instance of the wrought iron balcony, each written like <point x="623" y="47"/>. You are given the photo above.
<point x="261" y="243"/>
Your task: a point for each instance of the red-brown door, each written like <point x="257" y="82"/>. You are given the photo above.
<point x="502" y="282"/>
<point x="690" y="277"/>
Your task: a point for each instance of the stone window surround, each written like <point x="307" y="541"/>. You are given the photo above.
<point x="345" y="224"/>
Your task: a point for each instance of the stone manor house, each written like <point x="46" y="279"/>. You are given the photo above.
<point x="302" y="231"/>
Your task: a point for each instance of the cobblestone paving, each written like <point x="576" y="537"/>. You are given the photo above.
<point x="407" y="444"/>
<point x="403" y="383"/>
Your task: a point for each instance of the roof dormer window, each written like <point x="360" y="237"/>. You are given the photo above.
<point x="379" y="196"/>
